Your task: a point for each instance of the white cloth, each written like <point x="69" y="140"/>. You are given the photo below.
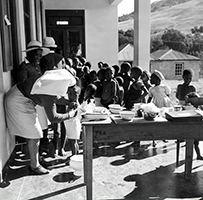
<point x="42" y="116"/>
<point x="21" y="115"/>
<point x="54" y="82"/>
<point x="73" y="126"/>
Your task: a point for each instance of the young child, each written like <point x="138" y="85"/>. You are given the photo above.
<point x="185" y="88"/>
<point x="99" y="85"/>
<point x="109" y="91"/>
<point x="146" y="80"/>
<point x="89" y="93"/>
<point x="120" y="81"/>
<point x="137" y="91"/>
<point x="182" y="91"/>
<point x="159" y="93"/>
<point x="73" y="125"/>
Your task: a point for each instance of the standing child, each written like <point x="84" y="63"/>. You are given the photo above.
<point x="159" y="93"/>
<point x="120" y="81"/>
<point x="182" y="91"/>
<point x="73" y="125"/>
<point x="137" y="91"/>
<point x="109" y="90"/>
<point x="146" y="80"/>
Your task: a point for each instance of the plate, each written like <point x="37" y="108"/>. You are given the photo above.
<point x="94" y="116"/>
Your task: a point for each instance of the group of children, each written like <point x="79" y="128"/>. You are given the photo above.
<point x="126" y="85"/>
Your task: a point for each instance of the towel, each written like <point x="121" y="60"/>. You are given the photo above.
<point x="54" y="82"/>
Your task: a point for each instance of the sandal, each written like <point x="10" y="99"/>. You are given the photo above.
<point x="38" y="170"/>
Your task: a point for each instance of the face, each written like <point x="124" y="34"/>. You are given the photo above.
<point x="187" y="79"/>
<point x="35" y="56"/>
<point x="109" y="74"/>
<point x="73" y="93"/>
<point x="153" y="79"/>
<point x="144" y="77"/>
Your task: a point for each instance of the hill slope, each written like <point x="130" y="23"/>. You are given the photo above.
<point x="180" y="14"/>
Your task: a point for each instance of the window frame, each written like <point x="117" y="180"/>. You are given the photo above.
<point x="179" y="65"/>
<point x="6" y="36"/>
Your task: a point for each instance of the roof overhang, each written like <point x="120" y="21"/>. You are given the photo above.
<point x="114" y="2"/>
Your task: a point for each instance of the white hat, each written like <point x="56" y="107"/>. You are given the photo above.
<point x="33" y="45"/>
<point x="49" y="42"/>
<point x="159" y="74"/>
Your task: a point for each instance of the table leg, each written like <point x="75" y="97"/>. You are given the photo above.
<point x="188" y="158"/>
<point x="88" y="156"/>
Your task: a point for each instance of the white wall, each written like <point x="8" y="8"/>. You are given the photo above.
<point x="101" y="28"/>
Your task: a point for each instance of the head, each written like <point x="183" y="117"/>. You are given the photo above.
<point x="49" y="42"/>
<point x="88" y="64"/>
<point x="90" y="91"/>
<point x="187" y="76"/>
<point x="156" y="77"/>
<point x="56" y="61"/>
<point x="109" y="73"/>
<point x="34" y="51"/>
<point x="116" y="69"/>
<point x="69" y="62"/>
<point x="93" y="75"/>
<point x="125" y="67"/>
<point x="100" y="64"/>
<point x="145" y="76"/>
<point x="73" y="93"/>
<point x="101" y="74"/>
<point x="136" y="72"/>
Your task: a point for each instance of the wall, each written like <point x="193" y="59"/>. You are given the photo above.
<point x="101" y="28"/>
<point x="168" y="68"/>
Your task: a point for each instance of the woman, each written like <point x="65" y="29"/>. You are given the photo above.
<point x="45" y="91"/>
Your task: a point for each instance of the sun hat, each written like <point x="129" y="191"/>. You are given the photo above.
<point x="33" y="45"/>
<point x="158" y="74"/>
<point x="49" y="42"/>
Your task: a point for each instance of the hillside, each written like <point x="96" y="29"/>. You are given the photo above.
<point x="177" y="14"/>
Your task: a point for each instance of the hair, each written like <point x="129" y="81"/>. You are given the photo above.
<point x="116" y="68"/>
<point x="188" y="72"/>
<point x="137" y="70"/>
<point x="88" y="64"/>
<point x="69" y="61"/>
<point x="49" y="61"/>
<point x="125" y="66"/>
<point x="92" y="88"/>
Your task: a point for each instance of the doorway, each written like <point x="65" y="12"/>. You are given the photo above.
<point x="67" y="28"/>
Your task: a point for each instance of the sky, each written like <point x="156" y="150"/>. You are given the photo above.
<point x="127" y="6"/>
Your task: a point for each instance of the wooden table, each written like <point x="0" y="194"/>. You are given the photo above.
<point x="115" y="129"/>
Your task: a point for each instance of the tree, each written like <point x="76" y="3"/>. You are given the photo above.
<point x="156" y="43"/>
<point x="174" y="39"/>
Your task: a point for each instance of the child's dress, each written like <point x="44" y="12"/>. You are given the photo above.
<point x="160" y="96"/>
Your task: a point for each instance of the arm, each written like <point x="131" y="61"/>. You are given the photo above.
<point x="49" y="105"/>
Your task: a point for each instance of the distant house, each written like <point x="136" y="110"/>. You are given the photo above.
<point x="172" y="63"/>
<point x="126" y="54"/>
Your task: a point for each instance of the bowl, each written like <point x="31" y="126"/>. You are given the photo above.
<point x="127" y="115"/>
<point x="115" y="108"/>
<point x="177" y="107"/>
<point x="76" y="163"/>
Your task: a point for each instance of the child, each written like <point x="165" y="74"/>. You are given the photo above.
<point x="89" y="93"/>
<point x="159" y="93"/>
<point x="99" y="85"/>
<point x="73" y="125"/>
<point x="119" y="79"/>
<point x="185" y="88"/>
<point x="146" y="80"/>
<point x="182" y="91"/>
<point x="109" y="91"/>
<point x="137" y="91"/>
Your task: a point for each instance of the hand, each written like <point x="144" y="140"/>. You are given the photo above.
<point x="73" y="113"/>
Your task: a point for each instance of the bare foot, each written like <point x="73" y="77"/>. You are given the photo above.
<point x="62" y="152"/>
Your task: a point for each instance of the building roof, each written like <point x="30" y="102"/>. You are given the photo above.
<point x="171" y="54"/>
<point x="126" y="53"/>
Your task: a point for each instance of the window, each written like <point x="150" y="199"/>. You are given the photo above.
<point x="179" y="69"/>
<point x="5" y="29"/>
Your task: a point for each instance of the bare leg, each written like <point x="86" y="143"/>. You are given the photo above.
<point x="74" y="146"/>
<point x="33" y="147"/>
<point x="61" y="151"/>
<point x="196" y="146"/>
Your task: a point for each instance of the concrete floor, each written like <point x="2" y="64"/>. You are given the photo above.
<point x="121" y="172"/>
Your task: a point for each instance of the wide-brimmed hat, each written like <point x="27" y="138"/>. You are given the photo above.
<point x="158" y="74"/>
<point x="49" y="42"/>
<point x="33" y="45"/>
